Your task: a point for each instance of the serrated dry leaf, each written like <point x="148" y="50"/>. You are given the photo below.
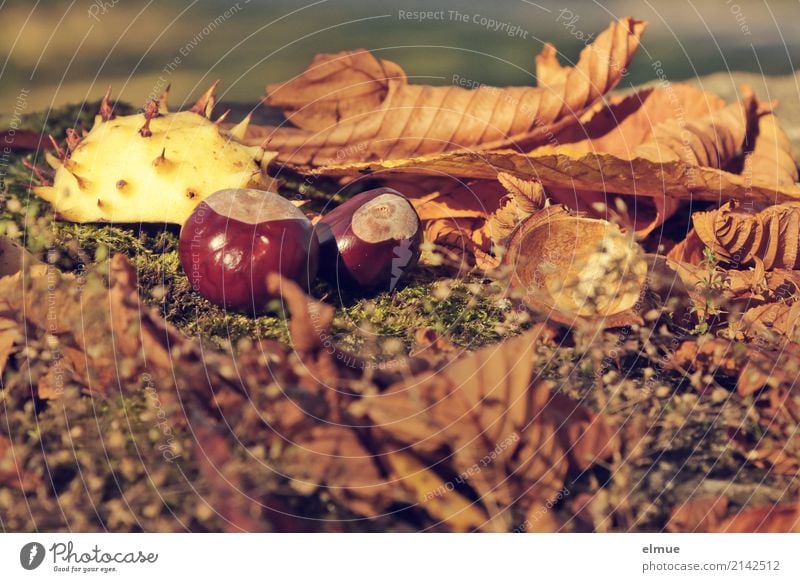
<point x="524" y="198"/>
<point x="742" y="237"/>
<point x="353" y="107"/>
<point x="469" y="220"/>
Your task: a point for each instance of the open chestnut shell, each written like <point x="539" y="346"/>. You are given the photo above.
<point x="235" y="237"/>
<point x="369" y="242"/>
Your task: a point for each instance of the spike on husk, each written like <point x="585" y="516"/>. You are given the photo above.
<point x="52" y="161"/>
<point x="150" y="113"/>
<point x="239" y="131"/>
<point x="161" y="162"/>
<point x="136" y="180"/>
<point x="205" y="104"/>
<point x="106" y="110"/>
<point x="62" y="155"/>
<point x="73" y="139"/>
<point x="38" y="172"/>
<point x="222" y="118"/>
<point x="163" y="101"/>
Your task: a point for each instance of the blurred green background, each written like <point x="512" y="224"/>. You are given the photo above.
<point x="58" y="51"/>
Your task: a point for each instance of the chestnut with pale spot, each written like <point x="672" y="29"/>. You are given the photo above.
<point x="236" y="237"/>
<point x="369" y="242"/>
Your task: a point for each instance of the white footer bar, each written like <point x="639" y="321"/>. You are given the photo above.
<point x="401" y="557"/>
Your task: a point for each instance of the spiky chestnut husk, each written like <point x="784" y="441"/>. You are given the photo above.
<point x="236" y="237"/>
<point x="369" y="242"/>
<point x="156" y="166"/>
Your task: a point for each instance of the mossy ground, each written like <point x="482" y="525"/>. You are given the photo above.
<point x="684" y="452"/>
<point x="468" y="313"/>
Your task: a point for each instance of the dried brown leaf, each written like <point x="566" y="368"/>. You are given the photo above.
<point x="486" y="419"/>
<point x="335" y="88"/>
<point x="12" y="474"/>
<point x="627" y="121"/>
<point x="334" y="459"/>
<point x="525" y="198"/>
<point x="353" y="107"/>
<point x="709" y="142"/>
<point x="771" y="159"/>
<point x="784" y="518"/>
<point x="435" y="495"/>
<point x="753" y="367"/>
<point x="773" y="318"/>
<point x="689" y="250"/>
<point x="660" y="168"/>
<point x="700" y="515"/>
<point x="310" y="318"/>
<point x="741" y="237"/>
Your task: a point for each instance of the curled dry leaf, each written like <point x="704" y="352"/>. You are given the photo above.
<point x="777" y="318"/>
<point x="352" y="107"/>
<point x="575" y="265"/>
<point x="624" y="122"/>
<point x="619" y="127"/>
<point x="709" y="142"/>
<point x="743" y="237"/>
<point x="737" y="291"/>
<point x="689" y="250"/>
<point x="770" y="160"/>
<point x="661" y="167"/>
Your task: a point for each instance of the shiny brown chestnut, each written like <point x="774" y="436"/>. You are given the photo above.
<point x="370" y="241"/>
<point x="236" y="237"/>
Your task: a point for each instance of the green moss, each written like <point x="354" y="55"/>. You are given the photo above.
<point x="469" y="313"/>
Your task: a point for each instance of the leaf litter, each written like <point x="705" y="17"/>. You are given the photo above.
<point x="627" y="343"/>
